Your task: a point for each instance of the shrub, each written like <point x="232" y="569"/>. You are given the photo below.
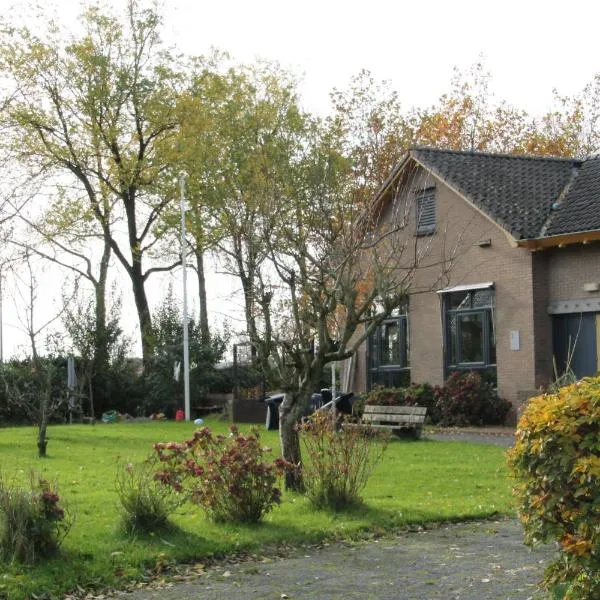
<point x="146" y="504"/>
<point x="380" y="396"/>
<point x="466" y="399"/>
<point x="341" y="459"/>
<point x="556" y="461"/>
<point x="33" y="523"/>
<point x="227" y="476"/>
<point x="422" y="394"/>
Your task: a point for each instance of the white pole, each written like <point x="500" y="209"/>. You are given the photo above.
<point x="1" y="340"/>
<point x="333" y="381"/>
<point x="186" y="344"/>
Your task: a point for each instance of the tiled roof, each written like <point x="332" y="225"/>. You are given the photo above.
<point x="530" y="197"/>
<point x="580" y="209"/>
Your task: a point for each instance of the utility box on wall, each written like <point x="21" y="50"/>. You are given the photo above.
<point x="515" y="340"/>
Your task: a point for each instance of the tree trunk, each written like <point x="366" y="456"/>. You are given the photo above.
<point x="203" y="318"/>
<point x="289" y="416"/>
<point x="42" y="439"/>
<point x="100" y="358"/>
<point x="143" y="311"/>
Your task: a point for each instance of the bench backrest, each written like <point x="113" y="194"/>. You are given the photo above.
<point x="405" y="414"/>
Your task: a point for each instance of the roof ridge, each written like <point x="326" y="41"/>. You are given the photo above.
<point x="502" y="154"/>
<point x="559" y="200"/>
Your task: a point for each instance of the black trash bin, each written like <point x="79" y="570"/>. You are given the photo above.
<point x="273" y="403"/>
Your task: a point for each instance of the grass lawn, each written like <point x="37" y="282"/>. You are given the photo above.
<point x="417" y="482"/>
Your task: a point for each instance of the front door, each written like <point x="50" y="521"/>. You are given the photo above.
<point x="574" y="342"/>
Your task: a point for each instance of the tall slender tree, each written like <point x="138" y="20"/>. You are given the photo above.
<point x="99" y="109"/>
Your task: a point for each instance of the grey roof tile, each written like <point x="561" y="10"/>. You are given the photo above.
<point x="580" y="209"/>
<point x="518" y="192"/>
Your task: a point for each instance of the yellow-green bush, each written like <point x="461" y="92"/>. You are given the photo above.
<point x="556" y="461"/>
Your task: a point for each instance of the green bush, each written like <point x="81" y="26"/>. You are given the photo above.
<point x="146" y="504"/>
<point x="380" y="396"/>
<point x="33" y="523"/>
<point x="227" y="476"/>
<point x="556" y="462"/>
<point x="341" y="459"/>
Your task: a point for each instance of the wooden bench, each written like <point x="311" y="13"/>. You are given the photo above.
<point x="399" y="419"/>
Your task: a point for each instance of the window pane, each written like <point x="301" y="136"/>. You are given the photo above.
<point x="451" y="339"/>
<point x="492" y="342"/>
<point x="471" y="338"/>
<point x="373" y="360"/>
<point x="483" y="298"/>
<point x="459" y="300"/>
<point x="390" y="344"/>
<point x="405" y="341"/>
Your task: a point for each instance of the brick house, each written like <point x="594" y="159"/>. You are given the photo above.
<point x="520" y="237"/>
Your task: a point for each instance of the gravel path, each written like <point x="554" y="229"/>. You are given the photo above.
<point x="473" y="561"/>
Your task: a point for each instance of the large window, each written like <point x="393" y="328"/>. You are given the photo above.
<point x="389" y="360"/>
<point x="470" y="336"/>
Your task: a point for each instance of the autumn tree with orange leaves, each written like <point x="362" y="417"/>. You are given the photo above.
<point x="379" y="129"/>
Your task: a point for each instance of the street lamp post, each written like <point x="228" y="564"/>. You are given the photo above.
<point x="1" y="331"/>
<point x="186" y="344"/>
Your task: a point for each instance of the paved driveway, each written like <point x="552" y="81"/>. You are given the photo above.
<point x="473" y="561"/>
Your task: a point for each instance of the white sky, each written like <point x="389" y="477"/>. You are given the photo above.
<point x="528" y="46"/>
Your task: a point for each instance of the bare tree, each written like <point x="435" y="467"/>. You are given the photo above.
<point x="35" y="394"/>
<point x="334" y="272"/>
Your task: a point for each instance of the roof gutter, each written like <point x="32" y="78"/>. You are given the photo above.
<point x="559" y="241"/>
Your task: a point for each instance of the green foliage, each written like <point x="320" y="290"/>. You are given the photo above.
<point x="101" y="349"/>
<point x="146" y="504"/>
<point x="33" y="391"/>
<point x="340" y="459"/>
<point x="556" y="462"/>
<point x="464" y="399"/>
<point x="227" y="476"/>
<point x="33" y="523"/>
<point x="162" y="391"/>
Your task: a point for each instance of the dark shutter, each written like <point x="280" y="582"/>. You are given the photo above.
<point x="426" y="213"/>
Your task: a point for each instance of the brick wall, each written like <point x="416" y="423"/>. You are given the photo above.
<point x="544" y="370"/>
<point x="569" y="268"/>
<point x="452" y="257"/>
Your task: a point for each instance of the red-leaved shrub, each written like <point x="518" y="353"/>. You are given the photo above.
<point x="226" y="475"/>
<point x="466" y="399"/>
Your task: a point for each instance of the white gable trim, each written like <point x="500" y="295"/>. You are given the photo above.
<point x="467" y="287"/>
